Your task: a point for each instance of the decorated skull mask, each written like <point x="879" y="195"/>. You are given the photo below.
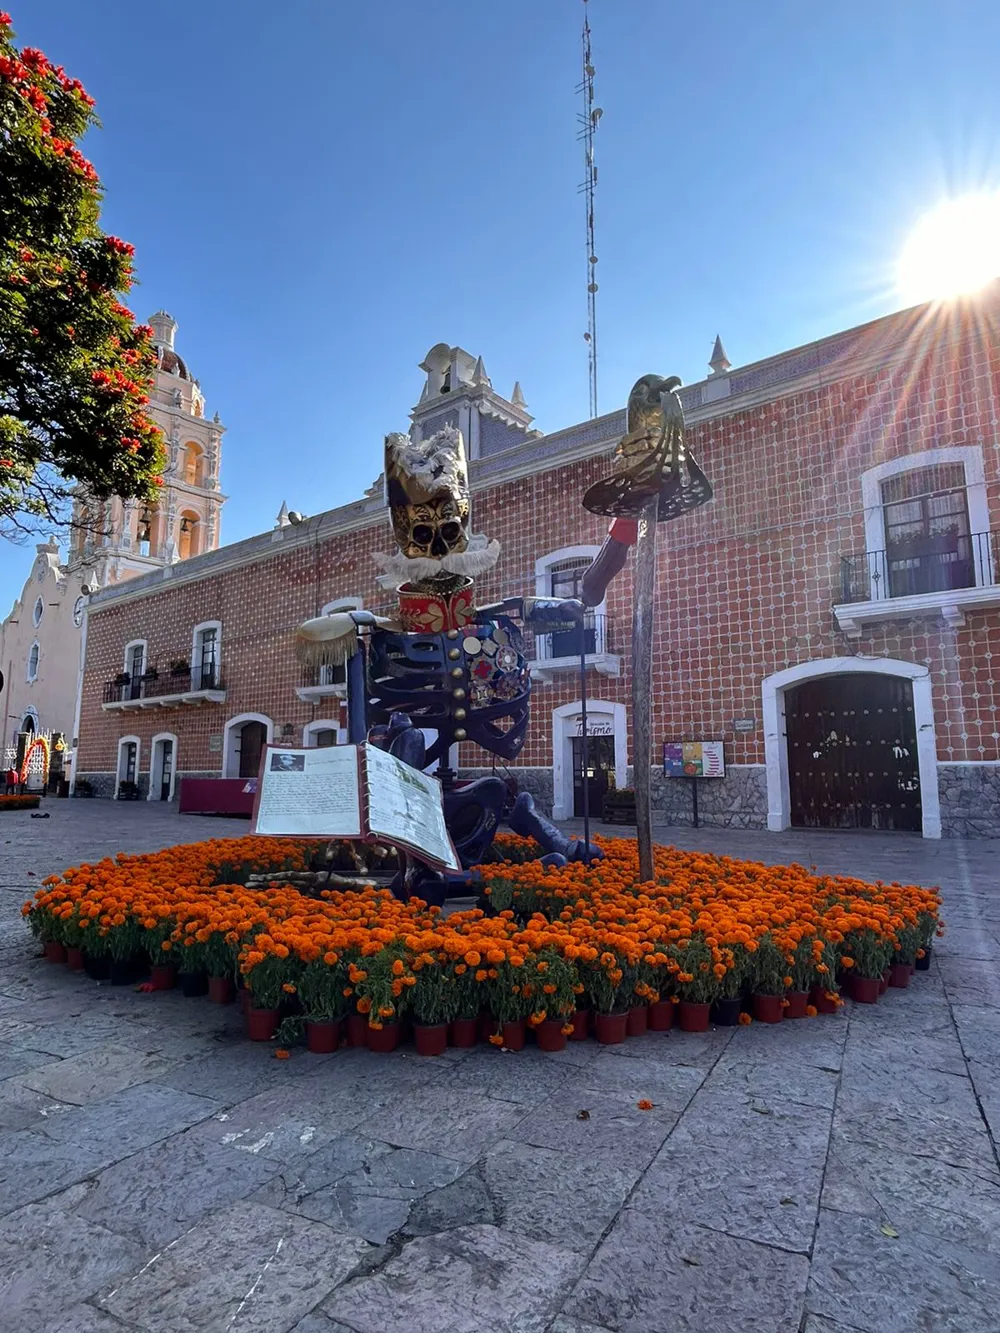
<point x="427" y="491"/>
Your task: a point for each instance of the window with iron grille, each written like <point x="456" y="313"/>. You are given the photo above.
<point x="928" y="545"/>
<point x="565" y="581"/>
<point x="206" y="663"/>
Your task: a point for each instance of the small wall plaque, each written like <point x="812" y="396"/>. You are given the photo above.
<point x="744" y="724"/>
<point x="215" y="743"/>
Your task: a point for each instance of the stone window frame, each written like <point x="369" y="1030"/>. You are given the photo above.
<point x="34" y="660"/>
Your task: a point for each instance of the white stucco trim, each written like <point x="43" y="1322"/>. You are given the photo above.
<point x="122" y="742"/>
<point x="776" y="745"/>
<point x="196" y="649"/>
<point x="971" y="458"/>
<point x="230" y="737"/>
<point x="156" y="766"/>
<point x="323" y="724"/>
<point x="564" y="723"/>
<point x="135" y="643"/>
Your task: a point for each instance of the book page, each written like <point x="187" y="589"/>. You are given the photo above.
<point x="312" y="792"/>
<point x="405" y="805"/>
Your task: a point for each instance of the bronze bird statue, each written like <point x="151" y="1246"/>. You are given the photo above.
<point x="651" y="460"/>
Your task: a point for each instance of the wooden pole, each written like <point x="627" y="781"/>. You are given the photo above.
<point x="644" y="595"/>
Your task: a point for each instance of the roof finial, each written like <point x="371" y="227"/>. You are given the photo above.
<point x="282" y="516"/>
<point x="479" y="375"/>
<point x="719" y="363"/>
<point x="517" y="397"/>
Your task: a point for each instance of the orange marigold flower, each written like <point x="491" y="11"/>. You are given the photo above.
<point x="281" y="1054"/>
<point x="645" y="1104"/>
<point x="745" y="1020"/>
<point x="846" y="961"/>
<point x="496" y="1039"/>
<point x="288" y="988"/>
<point x="811" y="1011"/>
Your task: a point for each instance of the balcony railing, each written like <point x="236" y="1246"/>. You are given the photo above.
<point x="560" y="648"/>
<point x="933" y="564"/>
<point x="177" y="677"/>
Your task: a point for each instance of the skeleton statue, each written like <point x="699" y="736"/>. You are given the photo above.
<point x="438" y="663"/>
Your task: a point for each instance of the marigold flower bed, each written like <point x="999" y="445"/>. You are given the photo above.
<point x="549" y="945"/>
<point x="19" y="803"/>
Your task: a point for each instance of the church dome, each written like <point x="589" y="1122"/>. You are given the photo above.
<point x="171" y="363"/>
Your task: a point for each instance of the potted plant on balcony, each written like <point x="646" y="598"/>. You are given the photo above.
<point x="123" y="678"/>
<point x="151" y="674"/>
<point x="180" y="668"/>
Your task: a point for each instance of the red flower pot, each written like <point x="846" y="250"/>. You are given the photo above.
<point x="514" y="1035"/>
<point x="463" y="1033"/>
<point x="430" y="1038"/>
<point x="74" y="959"/>
<point x="610" y="1029"/>
<point x="262" y="1024"/>
<point x="550" y="1036"/>
<point x="162" y="977"/>
<point x="768" y="1008"/>
<point x="220" y="990"/>
<point x="356" y="1028"/>
<point x="384" y="1039"/>
<point x="883" y="984"/>
<point x="486" y="1025"/>
<point x="819" y="1001"/>
<point x="54" y="951"/>
<point x="864" y="990"/>
<point x="581" y="1025"/>
<point x="638" y="1020"/>
<point x="323" y="1038"/>
<point x="661" y="1016"/>
<point x="899" y="975"/>
<point x="797" y="1001"/>
<point x="693" y="1016"/>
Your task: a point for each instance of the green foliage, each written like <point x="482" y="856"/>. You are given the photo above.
<point x="75" y="370"/>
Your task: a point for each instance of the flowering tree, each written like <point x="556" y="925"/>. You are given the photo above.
<point x="75" y="370"/>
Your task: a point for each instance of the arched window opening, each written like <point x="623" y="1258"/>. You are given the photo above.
<point x="191" y="464"/>
<point x="33" y="658"/>
<point x="188" y="536"/>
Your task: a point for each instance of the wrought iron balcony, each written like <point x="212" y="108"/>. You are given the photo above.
<point x="173" y="683"/>
<point x="944" y="575"/>
<point x="560" y="650"/>
<point x="928" y="565"/>
<point x="322" y="682"/>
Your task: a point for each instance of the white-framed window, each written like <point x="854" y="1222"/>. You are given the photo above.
<point x="559" y="574"/>
<point x="134" y="666"/>
<point x="206" y="655"/>
<point x="34" y="654"/>
<point x="127" y="771"/>
<point x="927" y="526"/>
<point x="323" y="731"/>
<point x="38" y="610"/>
<point x="337" y="675"/>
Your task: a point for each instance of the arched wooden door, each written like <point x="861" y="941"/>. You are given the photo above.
<point x="852" y="753"/>
<point x="253" y="738"/>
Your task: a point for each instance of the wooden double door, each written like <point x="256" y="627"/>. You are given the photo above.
<point x="852" y="753"/>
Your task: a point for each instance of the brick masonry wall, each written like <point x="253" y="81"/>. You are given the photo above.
<point x="745" y="585"/>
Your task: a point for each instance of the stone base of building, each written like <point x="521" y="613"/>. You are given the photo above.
<point x="970" y="800"/>
<point x="537" y="781"/>
<point x="739" y="800"/>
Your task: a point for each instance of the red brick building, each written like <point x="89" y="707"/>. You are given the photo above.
<point x="833" y="616"/>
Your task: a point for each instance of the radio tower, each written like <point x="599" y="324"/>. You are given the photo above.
<point x="588" y="121"/>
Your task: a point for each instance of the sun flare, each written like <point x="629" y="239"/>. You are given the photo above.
<point x="952" y="251"/>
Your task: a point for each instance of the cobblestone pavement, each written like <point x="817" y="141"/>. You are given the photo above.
<point x="838" y="1175"/>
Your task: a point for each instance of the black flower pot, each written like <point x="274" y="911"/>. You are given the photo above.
<point x="192" y="983"/>
<point x="121" y="971"/>
<point x="924" y="964"/>
<point x="97" y="966"/>
<point x="726" y="1012"/>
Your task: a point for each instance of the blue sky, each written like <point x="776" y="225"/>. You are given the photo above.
<point x="319" y="191"/>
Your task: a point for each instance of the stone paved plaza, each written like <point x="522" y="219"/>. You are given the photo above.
<point x="159" y="1173"/>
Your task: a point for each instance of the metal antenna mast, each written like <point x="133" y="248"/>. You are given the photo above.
<point x="588" y="121"/>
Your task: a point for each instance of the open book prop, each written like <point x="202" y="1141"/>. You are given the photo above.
<point x="356" y="792"/>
